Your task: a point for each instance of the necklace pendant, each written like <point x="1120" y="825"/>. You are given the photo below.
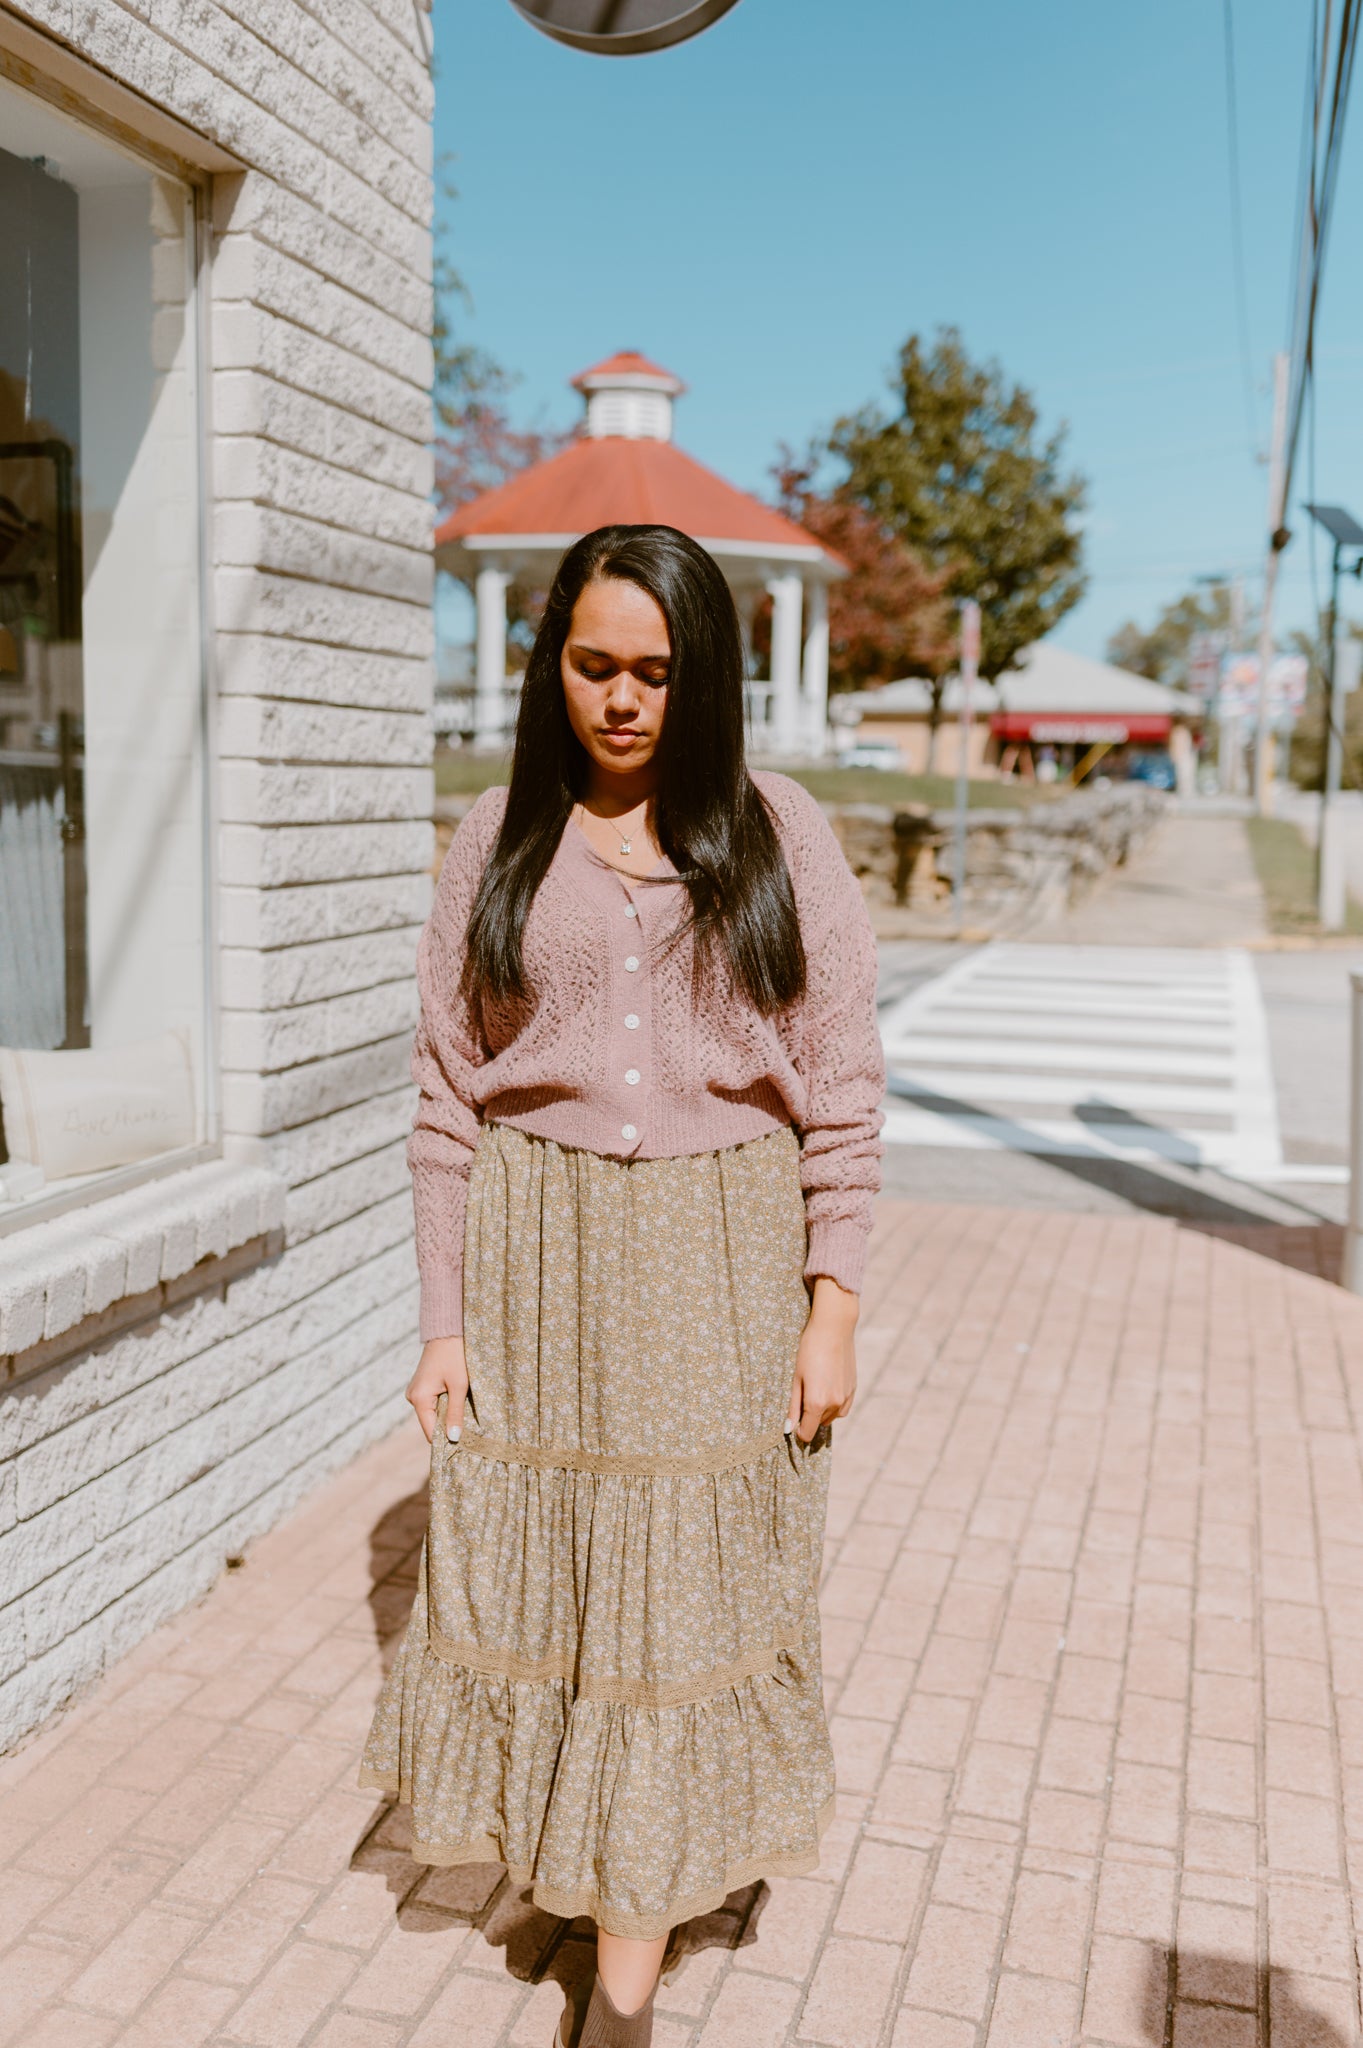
<point x="625" y="845"/>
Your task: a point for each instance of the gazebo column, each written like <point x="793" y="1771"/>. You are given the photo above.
<point x="815" y="691"/>
<point x="489" y="706"/>
<point x="787" y="596"/>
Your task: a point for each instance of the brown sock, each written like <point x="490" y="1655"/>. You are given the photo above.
<point x="607" y="2028"/>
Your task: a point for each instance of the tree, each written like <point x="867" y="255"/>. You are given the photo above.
<point x="1164" y="652"/>
<point x="960" y="475"/>
<point x="477" y="444"/>
<point x="887" y="617"/>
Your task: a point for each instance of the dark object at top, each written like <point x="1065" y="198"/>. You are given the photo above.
<point x="1343" y="529"/>
<point x="622" y="28"/>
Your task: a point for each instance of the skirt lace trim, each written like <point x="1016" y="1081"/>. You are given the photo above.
<point x="607" y="1689"/>
<point x="572" y="1905"/>
<point x="549" y="1458"/>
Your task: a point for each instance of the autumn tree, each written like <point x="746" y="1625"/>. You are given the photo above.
<point x="961" y="474"/>
<point x="887" y="617"/>
<point x="478" y="445"/>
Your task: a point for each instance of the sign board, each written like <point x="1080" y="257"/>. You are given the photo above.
<point x="1238" y="696"/>
<point x="622" y="28"/>
<point x="1205" y="655"/>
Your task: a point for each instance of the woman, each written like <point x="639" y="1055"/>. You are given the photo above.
<point x="649" y="1083"/>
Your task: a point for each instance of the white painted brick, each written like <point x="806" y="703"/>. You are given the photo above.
<point x="259" y="601"/>
<point x="244" y="267"/>
<point x="247" y="337"/>
<point x="237" y="53"/>
<point x="310" y="1150"/>
<point x="294" y="916"/>
<point x="257" y="664"/>
<point x="260" y="1103"/>
<point x="267" y="793"/>
<point x="34" y="1549"/>
<point x="341" y="71"/>
<point x="329" y="248"/>
<point x="254" y="980"/>
<point x="332" y="1197"/>
<point x="248" y="404"/>
<point x="273" y="857"/>
<point x="253" y="728"/>
<point x="23" y="1301"/>
<point x="256" y="536"/>
<point x="390" y="56"/>
<point x="193" y="1432"/>
<point x="267" y="474"/>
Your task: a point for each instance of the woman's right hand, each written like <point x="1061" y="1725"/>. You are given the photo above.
<point x="440" y="1370"/>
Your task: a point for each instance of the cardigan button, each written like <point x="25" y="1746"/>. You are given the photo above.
<point x="631" y="910"/>
<point x="632" y="963"/>
<point x="631" y="1022"/>
<point x="631" y="1075"/>
<point x="628" y="1131"/>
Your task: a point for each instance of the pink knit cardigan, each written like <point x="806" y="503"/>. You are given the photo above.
<point x="612" y="1055"/>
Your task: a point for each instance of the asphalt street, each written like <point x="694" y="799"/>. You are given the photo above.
<point x="1152" y="1052"/>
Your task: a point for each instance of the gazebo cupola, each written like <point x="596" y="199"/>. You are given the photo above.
<point x="626" y="469"/>
<point x="629" y="395"/>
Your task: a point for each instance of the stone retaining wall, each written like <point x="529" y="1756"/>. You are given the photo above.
<point x="1023" y="865"/>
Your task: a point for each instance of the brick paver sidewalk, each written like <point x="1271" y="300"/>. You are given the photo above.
<point x="1095" y="1642"/>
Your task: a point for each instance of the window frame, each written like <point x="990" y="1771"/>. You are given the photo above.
<point x="110" y="120"/>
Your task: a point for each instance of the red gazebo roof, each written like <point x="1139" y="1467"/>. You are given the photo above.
<point x="627" y="364"/>
<point x="619" y="480"/>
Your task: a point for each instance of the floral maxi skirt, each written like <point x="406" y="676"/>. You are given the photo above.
<point x="610" y="1682"/>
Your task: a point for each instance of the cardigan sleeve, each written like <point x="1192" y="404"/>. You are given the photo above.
<point x="446" y="1052"/>
<point x="840" y="1059"/>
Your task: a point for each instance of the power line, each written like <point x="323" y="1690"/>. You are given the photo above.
<point x="1329" y="80"/>
<point x="1237" y="227"/>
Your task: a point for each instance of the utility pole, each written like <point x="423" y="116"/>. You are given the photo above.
<point x="1277" y="541"/>
<point x="1345" y="532"/>
<point x="970" y="667"/>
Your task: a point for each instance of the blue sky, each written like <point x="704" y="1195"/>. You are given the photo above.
<point x="773" y="208"/>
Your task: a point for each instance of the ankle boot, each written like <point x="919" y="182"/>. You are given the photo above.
<point x="604" y="2027"/>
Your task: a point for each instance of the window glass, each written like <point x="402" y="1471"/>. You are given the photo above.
<point x="102" y="818"/>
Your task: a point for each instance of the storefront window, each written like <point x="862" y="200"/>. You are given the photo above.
<point x="103" y="1045"/>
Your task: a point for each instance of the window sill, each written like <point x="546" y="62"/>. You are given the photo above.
<point x="75" y="1279"/>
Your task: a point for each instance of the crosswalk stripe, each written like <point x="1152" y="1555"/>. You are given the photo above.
<point x="1083" y="1050"/>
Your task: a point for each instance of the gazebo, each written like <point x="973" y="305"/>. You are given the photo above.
<point x="626" y="468"/>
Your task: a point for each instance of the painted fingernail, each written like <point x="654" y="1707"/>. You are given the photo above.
<point x="453" y="1435"/>
<point x="790" y="1427"/>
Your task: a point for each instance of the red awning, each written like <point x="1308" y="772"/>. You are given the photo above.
<point x="1082" y="729"/>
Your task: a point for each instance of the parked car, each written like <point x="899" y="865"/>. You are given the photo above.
<point x="1155" y="770"/>
<point x="872" y="754"/>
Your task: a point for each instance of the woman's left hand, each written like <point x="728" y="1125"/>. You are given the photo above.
<point x="826" y="1363"/>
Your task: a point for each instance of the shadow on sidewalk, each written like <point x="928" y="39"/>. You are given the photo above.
<point x="1216" y="1994"/>
<point x="1312" y="1247"/>
<point x="394" y="1554"/>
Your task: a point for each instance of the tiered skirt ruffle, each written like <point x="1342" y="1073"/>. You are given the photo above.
<point x="610" y="1681"/>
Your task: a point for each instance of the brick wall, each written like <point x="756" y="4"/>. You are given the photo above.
<point x="134" y="1463"/>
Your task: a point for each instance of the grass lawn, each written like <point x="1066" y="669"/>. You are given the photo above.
<point x="1286" y="867"/>
<point x="466" y="774"/>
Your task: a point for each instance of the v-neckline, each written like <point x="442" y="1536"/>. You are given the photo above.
<point x="626" y="874"/>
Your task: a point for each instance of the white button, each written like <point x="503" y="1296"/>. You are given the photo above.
<point x="631" y="1075"/>
<point x="631" y="963"/>
<point x="628" y="1131"/>
<point x="631" y="910"/>
<point x="631" y="1022"/>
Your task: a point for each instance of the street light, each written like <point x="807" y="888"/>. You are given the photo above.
<point x="622" y="28"/>
<point x="1345" y="532"/>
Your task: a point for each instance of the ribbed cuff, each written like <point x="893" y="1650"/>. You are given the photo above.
<point x="837" y="1248"/>
<point x="442" y="1305"/>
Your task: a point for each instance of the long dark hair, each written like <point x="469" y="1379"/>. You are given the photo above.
<point x="709" y="816"/>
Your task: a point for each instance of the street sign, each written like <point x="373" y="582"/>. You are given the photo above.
<point x="621" y="28"/>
